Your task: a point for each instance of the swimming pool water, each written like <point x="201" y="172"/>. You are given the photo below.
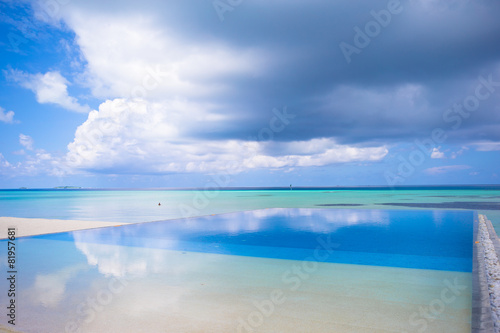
<point x="337" y="270"/>
<point x="439" y="240"/>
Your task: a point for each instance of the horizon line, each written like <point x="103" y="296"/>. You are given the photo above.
<point x="288" y="188"/>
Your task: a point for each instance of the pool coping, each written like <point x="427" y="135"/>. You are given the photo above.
<point x="482" y="319"/>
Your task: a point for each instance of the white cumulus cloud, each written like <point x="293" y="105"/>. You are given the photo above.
<point x="3" y="162"/>
<point x="139" y="136"/>
<point x="26" y="141"/>
<point x="50" y="87"/>
<point x="436" y="153"/>
<point x="138" y="56"/>
<point x="6" y="117"/>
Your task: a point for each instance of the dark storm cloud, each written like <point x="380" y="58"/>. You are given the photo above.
<point x="398" y="87"/>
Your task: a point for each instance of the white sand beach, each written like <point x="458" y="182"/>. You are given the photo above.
<point x="32" y="226"/>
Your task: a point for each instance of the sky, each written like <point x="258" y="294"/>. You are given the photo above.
<point x="207" y="93"/>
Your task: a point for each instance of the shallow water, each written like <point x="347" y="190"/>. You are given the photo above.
<point x="112" y="288"/>
<point x="129" y="206"/>
<point x="258" y="271"/>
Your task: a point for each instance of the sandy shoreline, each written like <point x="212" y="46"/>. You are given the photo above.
<point x="35" y="226"/>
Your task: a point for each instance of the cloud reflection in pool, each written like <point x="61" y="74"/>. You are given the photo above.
<point x="403" y="238"/>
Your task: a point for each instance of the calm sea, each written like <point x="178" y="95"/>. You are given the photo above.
<point x="128" y="206"/>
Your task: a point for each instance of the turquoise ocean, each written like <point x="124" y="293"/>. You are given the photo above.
<point x="141" y="205"/>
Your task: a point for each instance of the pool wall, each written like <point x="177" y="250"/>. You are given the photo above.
<point x="482" y="320"/>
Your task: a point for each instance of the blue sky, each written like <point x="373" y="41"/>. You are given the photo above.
<point x="240" y="93"/>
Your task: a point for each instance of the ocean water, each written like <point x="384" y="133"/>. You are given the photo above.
<point x="267" y="270"/>
<point x="131" y="206"/>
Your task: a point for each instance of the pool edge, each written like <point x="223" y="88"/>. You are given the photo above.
<point x="482" y="319"/>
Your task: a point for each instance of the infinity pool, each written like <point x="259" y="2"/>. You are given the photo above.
<point x="271" y="270"/>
